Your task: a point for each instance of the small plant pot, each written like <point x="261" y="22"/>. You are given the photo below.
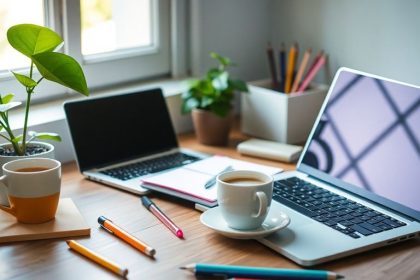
<point x="49" y="153"/>
<point x="210" y="128"/>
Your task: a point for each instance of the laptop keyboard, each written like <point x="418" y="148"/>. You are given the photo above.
<point x="142" y="168"/>
<point x="333" y="210"/>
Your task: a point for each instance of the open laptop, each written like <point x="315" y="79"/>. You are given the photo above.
<point x="122" y="138"/>
<point x="356" y="186"/>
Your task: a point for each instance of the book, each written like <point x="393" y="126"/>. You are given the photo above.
<point x="68" y="222"/>
<point x="188" y="182"/>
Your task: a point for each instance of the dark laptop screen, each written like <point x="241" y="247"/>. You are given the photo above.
<point x="368" y="136"/>
<point x="121" y="127"/>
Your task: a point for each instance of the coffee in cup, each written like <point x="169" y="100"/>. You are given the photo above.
<point x="244" y="198"/>
<point x="33" y="189"/>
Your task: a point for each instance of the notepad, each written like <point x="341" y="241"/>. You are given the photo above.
<point x="188" y="182"/>
<point x="68" y="222"/>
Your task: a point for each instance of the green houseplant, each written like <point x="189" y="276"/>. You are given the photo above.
<point x="39" y="44"/>
<point x="209" y="99"/>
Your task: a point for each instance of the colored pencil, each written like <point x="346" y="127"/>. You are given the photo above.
<point x="311" y="74"/>
<point x="291" y="61"/>
<point x="97" y="258"/>
<point x="282" y="66"/>
<point x="271" y="63"/>
<point x="301" y="70"/>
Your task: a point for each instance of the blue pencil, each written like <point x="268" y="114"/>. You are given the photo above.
<point x="201" y="269"/>
<point x="282" y="66"/>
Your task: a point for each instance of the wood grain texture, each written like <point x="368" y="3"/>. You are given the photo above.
<point x="51" y="259"/>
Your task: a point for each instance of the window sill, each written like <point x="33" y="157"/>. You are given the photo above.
<point x="51" y="111"/>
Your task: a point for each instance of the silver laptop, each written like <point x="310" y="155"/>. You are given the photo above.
<point x="357" y="183"/>
<point x="120" y="139"/>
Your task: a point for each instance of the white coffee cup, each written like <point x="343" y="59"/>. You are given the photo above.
<point x="244" y="198"/>
<point x="33" y="189"/>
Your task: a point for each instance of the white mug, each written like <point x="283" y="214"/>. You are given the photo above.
<point x="33" y="189"/>
<point x="244" y="198"/>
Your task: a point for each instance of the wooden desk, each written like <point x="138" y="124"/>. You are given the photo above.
<point x="51" y="259"/>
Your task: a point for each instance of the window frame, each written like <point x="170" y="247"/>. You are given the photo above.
<point x="102" y="70"/>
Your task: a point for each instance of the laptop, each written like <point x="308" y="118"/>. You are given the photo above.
<point x="120" y="139"/>
<point x="356" y="186"/>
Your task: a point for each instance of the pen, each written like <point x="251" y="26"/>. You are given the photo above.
<point x="201" y="269"/>
<point x="97" y="258"/>
<point x="212" y="180"/>
<point x="122" y="234"/>
<point x="161" y="216"/>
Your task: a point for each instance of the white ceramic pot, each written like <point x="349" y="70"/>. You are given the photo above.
<point x="4" y="159"/>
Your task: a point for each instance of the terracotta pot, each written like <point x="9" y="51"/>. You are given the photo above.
<point x="210" y="128"/>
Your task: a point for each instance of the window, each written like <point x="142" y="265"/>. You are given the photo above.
<point x="115" y="41"/>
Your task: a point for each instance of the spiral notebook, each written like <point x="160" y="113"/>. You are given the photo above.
<point x="188" y="182"/>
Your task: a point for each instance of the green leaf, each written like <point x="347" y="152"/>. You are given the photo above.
<point x="30" y="39"/>
<point x="213" y="73"/>
<point x="48" y="136"/>
<point x="221" y="82"/>
<point x="7" y="98"/>
<point x="220" y="108"/>
<point x="223" y="60"/>
<point x="17" y="139"/>
<point x="62" y="69"/>
<point x="189" y="104"/>
<point x="239" y="85"/>
<point x="8" y="106"/>
<point x="206" y="102"/>
<point x="24" y="80"/>
<point x="205" y="87"/>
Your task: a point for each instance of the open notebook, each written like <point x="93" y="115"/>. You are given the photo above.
<point x="188" y="182"/>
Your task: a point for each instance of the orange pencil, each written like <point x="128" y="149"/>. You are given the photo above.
<point x="290" y="67"/>
<point x="119" y="232"/>
<point x="301" y="70"/>
<point x="97" y="258"/>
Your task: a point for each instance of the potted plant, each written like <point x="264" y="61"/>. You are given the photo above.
<point x="210" y="102"/>
<point x="39" y="44"/>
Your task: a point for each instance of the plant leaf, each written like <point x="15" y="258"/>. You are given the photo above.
<point x="48" y="136"/>
<point x="225" y="61"/>
<point x="17" y="139"/>
<point x="221" y="82"/>
<point x="220" y="108"/>
<point x="189" y="104"/>
<point x="24" y="80"/>
<point x="62" y="69"/>
<point x="30" y="39"/>
<point x="7" y="98"/>
<point x="8" y="106"/>
<point x="239" y="85"/>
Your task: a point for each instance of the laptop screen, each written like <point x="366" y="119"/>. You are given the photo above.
<point x="368" y="136"/>
<point x="117" y="128"/>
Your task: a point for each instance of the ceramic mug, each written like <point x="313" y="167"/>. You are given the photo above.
<point x="33" y="189"/>
<point x="244" y="198"/>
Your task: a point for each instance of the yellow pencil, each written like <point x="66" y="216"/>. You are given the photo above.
<point x="97" y="258"/>
<point x="290" y="67"/>
<point x="302" y="68"/>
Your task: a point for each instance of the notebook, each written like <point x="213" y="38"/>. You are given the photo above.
<point x="188" y="182"/>
<point x="129" y="136"/>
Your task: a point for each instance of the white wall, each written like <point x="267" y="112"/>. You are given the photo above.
<point x="238" y="29"/>
<point x="377" y="36"/>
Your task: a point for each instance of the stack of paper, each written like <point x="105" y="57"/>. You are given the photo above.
<point x="188" y="181"/>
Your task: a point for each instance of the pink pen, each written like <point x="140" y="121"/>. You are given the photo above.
<point x="161" y="216"/>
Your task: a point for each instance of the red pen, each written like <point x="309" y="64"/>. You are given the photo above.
<point x="161" y="216"/>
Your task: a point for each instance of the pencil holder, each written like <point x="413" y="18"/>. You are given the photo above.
<point x="273" y="115"/>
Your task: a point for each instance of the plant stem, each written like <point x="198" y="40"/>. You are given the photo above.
<point x="28" y="103"/>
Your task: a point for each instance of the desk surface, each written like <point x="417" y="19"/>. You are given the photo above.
<point x="51" y="259"/>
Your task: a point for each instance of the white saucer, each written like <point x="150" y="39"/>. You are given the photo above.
<point x="275" y="221"/>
